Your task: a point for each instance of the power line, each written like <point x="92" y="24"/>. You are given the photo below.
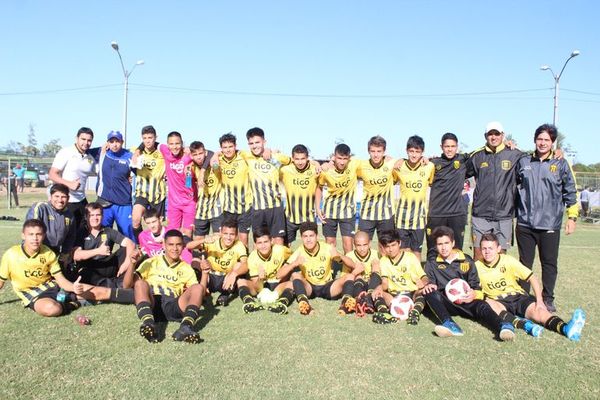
<point x="582" y="92"/>
<point x="52" y="91"/>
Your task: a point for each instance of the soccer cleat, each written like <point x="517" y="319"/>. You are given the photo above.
<point x="448" y="328"/>
<point x="413" y="317"/>
<point x="278" y="308"/>
<point x="574" y="327"/>
<point x="507" y="332"/>
<point x="185" y="333"/>
<point x="304" y="307"/>
<point x="360" y="310"/>
<point x="384" y="318"/>
<point x="533" y="329"/>
<point x="223" y="300"/>
<point x="251" y="307"/>
<point x="148" y="331"/>
<point x="348" y="306"/>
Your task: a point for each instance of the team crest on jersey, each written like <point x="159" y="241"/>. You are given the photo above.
<point x="503" y="269"/>
<point x="385" y="169"/>
<point x="422" y="174"/>
<point x="428" y="231"/>
<point x="506" y="164"/>
<point x="403" y="270"/>
<point x="441" y="266"/>
<point x="456" y="164"/>
<point x="43" y="260"/>
<point x="553" y="168"/>
<point x="464" y="267"/>
<point x="484" y="165"/>
<point x="179" y="273"/>
<point x="438" y="167"/>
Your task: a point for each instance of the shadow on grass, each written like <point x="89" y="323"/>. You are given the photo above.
<point x="207" y="313"/>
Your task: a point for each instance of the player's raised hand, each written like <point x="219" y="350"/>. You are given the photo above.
<point x="429" y="288"/>
<point x="104" y="250"/>
<point x="469" y="297"/>
<point x="78" y="286"/>
<point x="204" y="265"/>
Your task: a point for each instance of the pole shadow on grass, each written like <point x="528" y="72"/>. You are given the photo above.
<point x="207" y="313"/>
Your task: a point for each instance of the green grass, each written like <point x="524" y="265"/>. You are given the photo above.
<point x="320" y="356"/>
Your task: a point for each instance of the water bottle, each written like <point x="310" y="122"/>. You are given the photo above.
<point x="61" y="296"/>
<point x="275" y="162"/>
<point x="188" y="180"/>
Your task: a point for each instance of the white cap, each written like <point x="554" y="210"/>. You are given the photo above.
<point x="494" y="126"/>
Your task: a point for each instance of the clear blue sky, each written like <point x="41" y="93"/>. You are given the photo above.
<point x="327" y="69"/>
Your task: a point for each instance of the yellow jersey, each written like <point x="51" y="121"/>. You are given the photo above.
<point x="237" y="192"/>
<point x="30" y="275"/>
<point x="414" y="183"/>
<point x="271" y="263"/>
<point x="167" y="279"/>
<point x="377" y="202"/>
<point x="209" y="198"/>
<point x="150" y="177"/>
<point x="403" y="274"/>
<point x="366" y="261"/>
<point x="223" y="259"/>
<point x="341" y="185"/>
<point x="317" y="268"/>
<point x="502" y="278"/>
<point x="300" y="187"/>
<point x="264" y="179"/>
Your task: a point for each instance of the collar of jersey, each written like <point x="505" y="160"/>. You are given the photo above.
<point x="317" y="247"/>
<point x="495" y="264"/>
<point x="375" y="166"/>
<point x="27" y="255"/>
<point x="548" y="158"/>
<point x="268" y="257"/>
<point x="399" y="259"/>
<point x="361" y="259"/>
<point x="500" y="147"/>
<point x="170" y="265"/>
<point x="461" y="256"/>
<point x="416" y="167"/>
<point x="304" y="169"/>
<point x="225" y="159"/>
<point x="227" y="248"/>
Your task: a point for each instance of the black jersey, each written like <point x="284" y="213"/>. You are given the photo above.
<point x="445" y="198"/>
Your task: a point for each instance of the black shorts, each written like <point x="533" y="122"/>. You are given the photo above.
<point x="202" y="226"/>
<point x="244" y="220"/>
<point x="78" y="210"/>
<point x="273" y="218"/>
<point x="270" y="285"/>
<point x="347" y="227"/>
<point x="166" y="308"/>
<point x="215" y="283"/>
<point x="160" y="206"/>
<point x="517" y="304"/>
<point x="371" y="226"/>
<point x="51" y="293"/>
<point x="321" y="291"/>
<point x="412" y="239"/>
<point x="290" y="230"/>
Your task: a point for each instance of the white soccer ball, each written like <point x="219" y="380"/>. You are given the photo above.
<point x="401" y="306"/>
<point x="457" y="289"/>
<point x="267" y="296"/>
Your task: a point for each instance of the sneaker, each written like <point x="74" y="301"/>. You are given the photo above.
<point x="251" y="307"/>
<point x="507" y="332"/>
<point x="533" y="329"/>
<point x="304" y="307"/>
<point x="223" y="300"/>
<point x="278" y="308"/>
<point x="148" y="331"/>
<point x="185" y="333"/>
<point x="348" y="306"/>
<point x="448" y="328"/>
<point x="573" y="329"/>
<point x="413" y="317"/>
<point x="384" y="318"/>
<point x="550" y="305"/>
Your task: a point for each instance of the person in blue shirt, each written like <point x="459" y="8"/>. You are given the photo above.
<point x="114" y="186"/>
<point x="19" y="172"/>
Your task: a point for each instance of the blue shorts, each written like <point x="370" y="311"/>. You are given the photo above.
<point x="122" y="216"/>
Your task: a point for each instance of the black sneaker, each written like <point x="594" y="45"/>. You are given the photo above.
<point x="223" y="300"/>
<point x="278" y="308"/>
<point x="251" y="307"/>
<point x="185" y="333"/>
<point x="413" y="317"/>
<point x="148" y="331"/>
<point x="384" y="318"/>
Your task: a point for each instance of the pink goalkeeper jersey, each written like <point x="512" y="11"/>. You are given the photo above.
<point x="177" y="167"/>
<point x="152" y="246"/>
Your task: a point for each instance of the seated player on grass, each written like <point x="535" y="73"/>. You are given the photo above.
<point x="36" y="278"/>
<point x="363" y="259"/>
<point x="312" y="274"/>
<point x="226" y="258"/>
<point x="264" y="267"/>
<point x="94" y="257"/>
<point x="452" y="263"/>
<point x="401" y="273"/>
<point x="151" y="240"/>
<point x="500" y="275"/>
<point x="167" y="287"/>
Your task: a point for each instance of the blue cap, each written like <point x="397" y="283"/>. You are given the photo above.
<point x="114" y="135"/>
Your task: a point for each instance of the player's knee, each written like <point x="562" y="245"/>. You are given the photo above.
<point x="296" y="275"/>
<point x="49" y="309"/>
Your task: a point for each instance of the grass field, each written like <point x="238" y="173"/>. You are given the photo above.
<point x="296" y="357"/>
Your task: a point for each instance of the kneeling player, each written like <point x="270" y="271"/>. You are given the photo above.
<point x="166" y="286"/>
<point x="264" y="266"/>
<point x="151" y="240"/>
<point x="313" y="273"/>
<point x="500" y="273"/>
<point x="37" y="279"/>
<point x="452" y="263"/>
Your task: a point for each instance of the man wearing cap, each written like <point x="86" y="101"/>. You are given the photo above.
<point x="71" y="167"/>
<point x="114" y="187"/>
<point x="493" y="167"/>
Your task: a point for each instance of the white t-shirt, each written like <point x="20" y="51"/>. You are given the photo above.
<point x="74" y="165"/>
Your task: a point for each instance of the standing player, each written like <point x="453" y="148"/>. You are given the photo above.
<point x="236" y="191"/>
<point x="165" y="285"/>
<point x="546" y="186"/>
<point x="414" y="178"/>
<point x="377" y="174"/>
<point x="264" y="265"/>
<point x="339" y="207"/>
<point x="71" y="167"/>
<point x="446" y="203"/>
<point x="500" y="275"/>
<point x="312" y="274"/>
<point x="150" y="190"/>
<point x="209" y="212"/>
<point x="300" y="182"/>
<point x="452" y="263"/>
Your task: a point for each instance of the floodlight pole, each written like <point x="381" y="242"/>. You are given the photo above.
<point x="556" y="77"/>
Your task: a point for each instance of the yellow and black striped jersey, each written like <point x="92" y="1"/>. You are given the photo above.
<point x="300" y="187"/>
<point x="236" y="189"/>
<point x="366" y="261"/>
<point x="30" y="275"/>
<point x="502" y="278"/>
<point x="223" y="259"/>
<point x="150" y="176"/>
<point x="316" y="268"/>
<point x="167" y="279"/>
<point x="412" y="206"/>
<point x="264" y="179"/>
<point x="271" y="263"/>
<point x="209" y="198"/>
<point x="339" y="202"/>
<point x="377" y="202"/>
<point x="403" y="274"/>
